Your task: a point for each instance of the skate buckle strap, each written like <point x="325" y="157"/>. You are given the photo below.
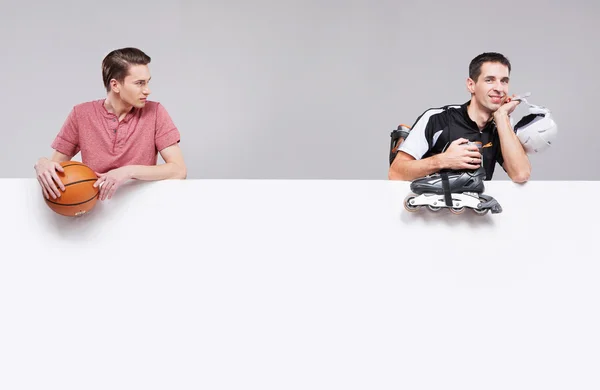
<point x="446" y="187"/>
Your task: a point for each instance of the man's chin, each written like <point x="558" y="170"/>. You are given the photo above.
<point x="493" y="106"/>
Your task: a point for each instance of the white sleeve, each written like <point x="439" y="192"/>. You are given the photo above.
<point x="416" y="143"/>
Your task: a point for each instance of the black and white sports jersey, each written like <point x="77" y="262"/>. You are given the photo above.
<point x="436" y="128"/>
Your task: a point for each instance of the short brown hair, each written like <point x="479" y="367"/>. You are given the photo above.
<point x="116" y="64"/>
<point x="475" y="65"/>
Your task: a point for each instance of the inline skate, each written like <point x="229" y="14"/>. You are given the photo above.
<point x="455" y="191"/>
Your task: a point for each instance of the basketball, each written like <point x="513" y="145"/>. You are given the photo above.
<point x="79" y="196"/>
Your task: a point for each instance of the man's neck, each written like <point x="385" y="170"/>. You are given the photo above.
<point x="479" y="116"/>
<point x="116" y="106"/>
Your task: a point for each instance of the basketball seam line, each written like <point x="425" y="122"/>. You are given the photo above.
<point x="70" y="165"/>
<point x="72" y="204"/>
<point x="80" y="181"/>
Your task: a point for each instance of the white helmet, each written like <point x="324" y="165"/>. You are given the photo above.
<point x="537" y="130"/>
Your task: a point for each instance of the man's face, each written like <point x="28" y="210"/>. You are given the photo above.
<point x="491" y="88"/>
<point x="134" y="90"/>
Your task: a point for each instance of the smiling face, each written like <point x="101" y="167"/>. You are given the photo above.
<point x="490" y="89"/>
<point x="134" y="89"/>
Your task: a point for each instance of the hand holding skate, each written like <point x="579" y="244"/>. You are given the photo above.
<point x="455" y="190"/>
<point x="461" y="155"/>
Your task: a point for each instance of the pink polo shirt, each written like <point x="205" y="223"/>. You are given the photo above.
<point x="105" y="143"/>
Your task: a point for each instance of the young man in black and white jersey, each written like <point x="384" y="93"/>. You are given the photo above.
<point x="438" y="139"/>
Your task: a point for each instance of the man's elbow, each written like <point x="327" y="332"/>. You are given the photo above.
<point x="180" y="173"/>
<point x="393" y="174"/>
<point x="521" y="177"/>
<point x="183" y="174"/>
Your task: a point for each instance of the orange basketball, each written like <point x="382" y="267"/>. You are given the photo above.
<point x="79" y="195"/>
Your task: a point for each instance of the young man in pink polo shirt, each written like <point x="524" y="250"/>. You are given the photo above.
<point x="119" y="137"/>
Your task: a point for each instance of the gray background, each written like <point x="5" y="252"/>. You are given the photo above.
<point x="287" y="89"/>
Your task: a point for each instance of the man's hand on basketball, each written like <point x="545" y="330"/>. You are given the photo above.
<point x="111" y="180"/>
<point x="461" y="155"/>
<point x="45" y="171"/>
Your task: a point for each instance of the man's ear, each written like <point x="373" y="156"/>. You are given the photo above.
<point x="470" y="85"/>
<point x="114" y="85"/>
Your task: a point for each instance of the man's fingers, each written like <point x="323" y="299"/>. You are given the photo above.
<point x="460" y="141"/>
<point x="42" y="181"/>
<point x="43" y="188"/>
<point x="48" y="185"/>
<point x="57" y="180"/>
<point x="102" y="191"/>
<point x="473" y="162"/>
<point x="105" y="189"/>
<point x="113" y="188"/>
<point x="51" y="184"/>
<point x="59" y="167"/>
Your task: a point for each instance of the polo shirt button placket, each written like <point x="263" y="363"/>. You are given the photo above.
<point x="116" y="126"/>
<point x="118" y="141"/>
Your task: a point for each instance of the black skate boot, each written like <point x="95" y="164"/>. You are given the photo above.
<point x="453" y="190"/>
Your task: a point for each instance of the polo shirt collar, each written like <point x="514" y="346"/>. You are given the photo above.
<point x="110" y="115"/>
<point x="470" y="122"/>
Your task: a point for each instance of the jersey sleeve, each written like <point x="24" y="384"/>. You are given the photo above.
<point x="418" y="141"/>
<point x="67" y="139"/>
<point x="167" y="133"/>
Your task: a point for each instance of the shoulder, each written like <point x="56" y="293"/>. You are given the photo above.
<point x="154" y="109"/>
<point x="153" y="106"/>
<point x="87" y="110"/>
<point x="83" y="111"/>
<point x="88" y="106"/>
<point x="436" y="115"/>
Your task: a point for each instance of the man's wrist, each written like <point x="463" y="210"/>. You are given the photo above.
<point x="438" y="161"/>
<point x="39" y="161"/>
<point x="131" y="172"/>
<point x="499" y="115"/>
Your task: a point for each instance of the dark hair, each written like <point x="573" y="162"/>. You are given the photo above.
<point x="116" y="64"/>
<point x="477" y="62"/>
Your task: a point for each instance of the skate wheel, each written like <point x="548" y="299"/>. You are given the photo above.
<point x="434" y="208"/>
<point x="457" y="210"/>
<point x="408" y="206"/>
<point x="481" y="212"/>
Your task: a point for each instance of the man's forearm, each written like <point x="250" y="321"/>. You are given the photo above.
<point x="410" y="170"/>
<point x="157" y="172"/>
<point x="516" y="163"/>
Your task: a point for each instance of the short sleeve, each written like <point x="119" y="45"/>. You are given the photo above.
<point x="166" y="133"/>
<point x="416" y="144"/>
<point x="67" y="139"/>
